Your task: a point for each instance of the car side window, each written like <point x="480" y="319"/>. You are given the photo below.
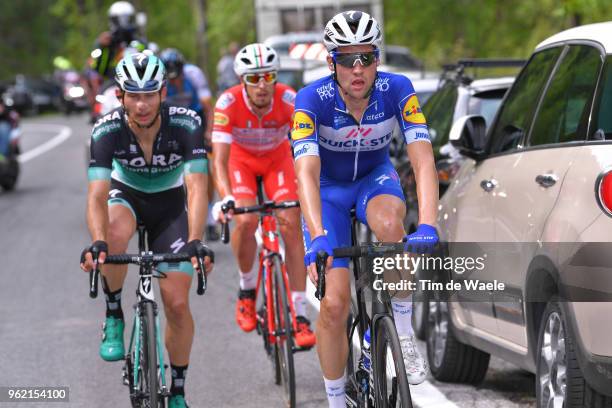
<point x="602" y="126"/>
<point x="518" y="109"/>
<point x="439" y="112"/>
<point x="566" y="104"/>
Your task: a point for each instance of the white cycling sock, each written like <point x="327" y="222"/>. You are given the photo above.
<point x="248" y="280"/>
<point x="299" y="302"/>
<point x="335" y="392"/>
<point x="402" y="313"/>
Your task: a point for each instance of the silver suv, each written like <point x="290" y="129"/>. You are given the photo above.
<point x="536" y="198"/>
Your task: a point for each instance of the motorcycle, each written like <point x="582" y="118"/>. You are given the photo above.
<point x="73" y="94"/>
<point x="9" y="163"/>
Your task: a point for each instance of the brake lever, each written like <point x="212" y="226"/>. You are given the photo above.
<point x="321" y="263"/>
<point x="93" y="274"/>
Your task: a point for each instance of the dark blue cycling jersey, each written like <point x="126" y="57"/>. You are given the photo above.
<point x="349" y="150"/>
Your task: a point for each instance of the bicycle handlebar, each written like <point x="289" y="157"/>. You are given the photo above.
<point x="369" y="250"/>
<point x="265" y="208"/>
<point x="152" y="258"/>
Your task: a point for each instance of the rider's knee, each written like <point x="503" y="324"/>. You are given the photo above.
<point x="247" y="223"/>
<point x="117" y="238"/>
<point x="386" y="225"/>
<point x="289" y="222"/>
<point x="334" y="310"/>
<point x="176" y="308"/>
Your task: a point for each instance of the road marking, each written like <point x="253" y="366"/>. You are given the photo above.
<point x="423" y="395"/>
<point x="63" y="133"/>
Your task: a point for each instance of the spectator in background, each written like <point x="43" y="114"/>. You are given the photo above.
<point x="110" y="46"/>
<point x="226" y="76"/>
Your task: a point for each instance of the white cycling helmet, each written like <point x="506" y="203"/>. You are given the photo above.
<point x="122" y="15"/>
<point x="140" y="73"/>
<point x="352" y="28"/>
<point x="256" y="58"/>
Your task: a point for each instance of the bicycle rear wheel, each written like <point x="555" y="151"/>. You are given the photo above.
<point x="390" y="382"/>
<point x="148" y="358"/>
<point x="284" y="338"/>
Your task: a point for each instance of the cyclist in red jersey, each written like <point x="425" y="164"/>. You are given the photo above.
<point x="250" y="138"/>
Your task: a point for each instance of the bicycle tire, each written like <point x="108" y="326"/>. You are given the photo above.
<point x="284" y="342"/>
<point x="148" y="356"/>
<point x="387" y="340"/>
<point x="263" y="323"/>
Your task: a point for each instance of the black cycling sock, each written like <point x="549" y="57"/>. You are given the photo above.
<point x="113" y="302"/>
<point x="178" y="379"/>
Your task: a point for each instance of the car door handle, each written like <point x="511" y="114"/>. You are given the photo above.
<point x="547" y="180"/>
<point x="488" y="185"/>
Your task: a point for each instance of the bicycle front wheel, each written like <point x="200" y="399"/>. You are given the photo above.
<point x="390" y="382"/>
<point x="284" y="337"/>
<point x="148" y="358"/>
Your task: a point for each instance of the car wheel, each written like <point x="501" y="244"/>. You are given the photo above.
<point x="559" y="380"/>
<point x="449" y="359"/>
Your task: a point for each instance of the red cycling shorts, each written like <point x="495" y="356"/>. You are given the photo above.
<point x="276" y="167"/>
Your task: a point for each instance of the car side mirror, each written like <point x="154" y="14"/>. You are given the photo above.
<point x="468" y="135"/>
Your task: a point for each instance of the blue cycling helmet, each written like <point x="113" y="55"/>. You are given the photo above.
<point x="140" y="73"/>
<point x="173" y="61"/>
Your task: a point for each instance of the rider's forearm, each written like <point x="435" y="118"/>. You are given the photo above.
<point x="97" y="217"/>
<point x="197" y="204"/>
<point x="308" y="170"/>
<point x="427" y="184"/>
<point x="220" y="172"/>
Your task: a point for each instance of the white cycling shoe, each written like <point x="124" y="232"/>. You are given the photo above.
<point x="416" y="366"/>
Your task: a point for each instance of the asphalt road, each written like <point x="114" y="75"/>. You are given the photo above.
<point x="50" y="328"/>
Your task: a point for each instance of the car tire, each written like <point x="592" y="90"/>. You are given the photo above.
<point x="449" y="359"/>
<point x="556" y="354"/>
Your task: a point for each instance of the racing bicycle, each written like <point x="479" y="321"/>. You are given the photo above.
<point x="385" y="384"/>
<point x="144" y="368"/>
<point x="276" y="320"/>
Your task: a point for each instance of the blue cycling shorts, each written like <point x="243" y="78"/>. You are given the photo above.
<point x="338" y="198"/>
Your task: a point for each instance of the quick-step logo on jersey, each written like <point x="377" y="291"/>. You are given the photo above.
<point x="412" y="113"/>
<point x="303" y="126"/>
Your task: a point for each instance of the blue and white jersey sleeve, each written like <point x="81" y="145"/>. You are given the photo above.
<point x="304" y="129"/>
<point x="408" y="112"/>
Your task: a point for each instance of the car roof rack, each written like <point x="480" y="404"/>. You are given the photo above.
<point x="456" y="72"/>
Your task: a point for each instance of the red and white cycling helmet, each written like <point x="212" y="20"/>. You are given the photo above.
<point x="256" y="58"/>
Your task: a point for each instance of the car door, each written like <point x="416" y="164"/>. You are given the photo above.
<point x="475" y="204"/>
<point x="529" y="182"/>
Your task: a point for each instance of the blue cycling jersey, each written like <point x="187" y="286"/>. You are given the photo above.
<point x="322" y="126"/>
<point x="186" y="96"/>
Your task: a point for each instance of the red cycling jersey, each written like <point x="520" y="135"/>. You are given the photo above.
<point x="236" y="123"/>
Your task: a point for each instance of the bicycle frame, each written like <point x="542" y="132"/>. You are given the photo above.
<point x="270" y="249"/>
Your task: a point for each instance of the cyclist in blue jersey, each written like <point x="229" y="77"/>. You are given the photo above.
<point x="187" y="86"/>
<point x="181" y="91"/>
<point x="341" y="131"/>
<point x="148" y="164"/>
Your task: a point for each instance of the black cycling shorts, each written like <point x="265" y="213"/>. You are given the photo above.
<point x="163" y="214"/>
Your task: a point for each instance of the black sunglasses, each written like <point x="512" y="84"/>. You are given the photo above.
<point x="349" y="59"/>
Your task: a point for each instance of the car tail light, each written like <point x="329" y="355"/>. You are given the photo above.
<point x="603" y="191"/>
<point x="447" y="170"/>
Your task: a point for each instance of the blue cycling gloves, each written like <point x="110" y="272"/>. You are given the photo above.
<point x="320" y="243"/>
<point x="422" y="241"/>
